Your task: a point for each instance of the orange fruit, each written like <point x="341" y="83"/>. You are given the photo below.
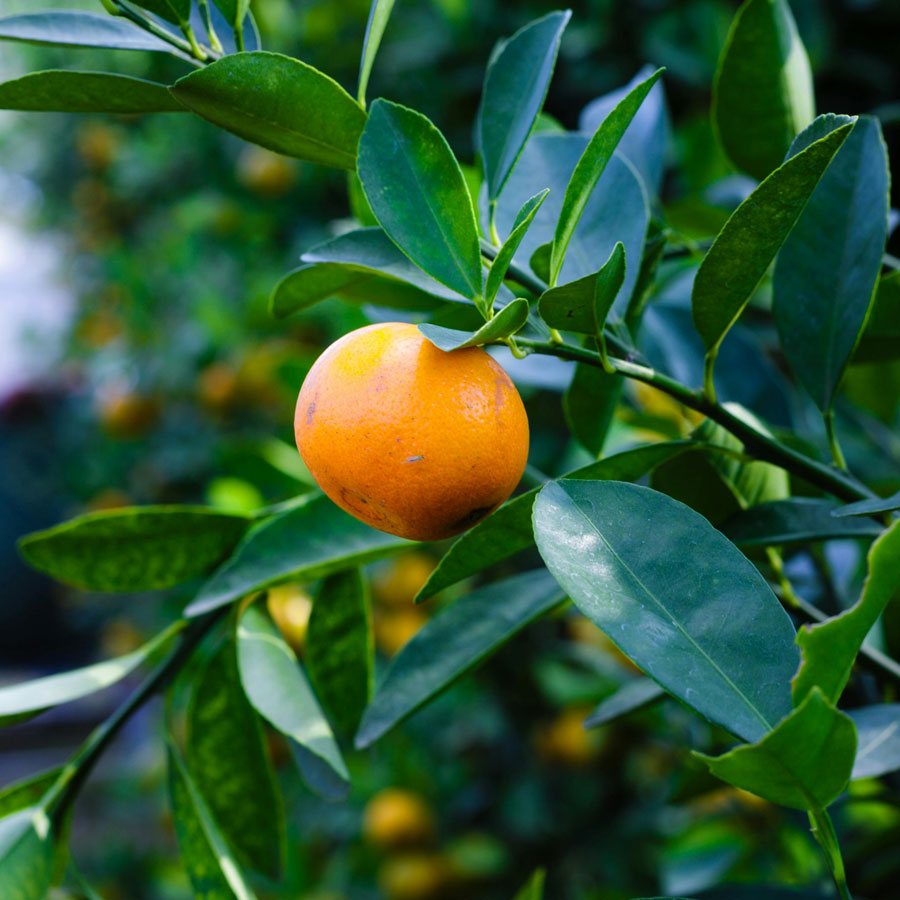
<point x="408" y="438"/>
<point x="396" y="818"/>
<point x="128" y="415"/>
<point x="566" y="741"/>
<point x="416" y="876"/>
<point x="398" y="582"/>
<point x="290" y="608"/>
<point x="394" y="628"/>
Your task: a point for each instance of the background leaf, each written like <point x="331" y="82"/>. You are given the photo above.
<point x="589" y="404"/>
<point x="379" y="13"/>
<point x="763" y="91"/>
<point x="533" y="889"/>
<point x="27" y="792"/>
<point x="828" y="268"/>
<point x="279" y="103"/>
<point x="73" y="28"/>
<point x="881" y="338"/>
<point x="729" y="648"/>
<point x="455" y="640"/>
<point x="634" y="694"/>
<point x="869" y="507"/>
<point x="141" y="548"/>
<point x="26" y="855"/>
<point x="417" y="192"/>
<point x="878" y="731"/>
<point x="234" y="11"/>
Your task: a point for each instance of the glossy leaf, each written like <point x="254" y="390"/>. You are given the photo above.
<point x="590" y="167"/>
<point x="794" y="521"/>
<point x="278" y="689"/>
<point x="26" y="855"/>
<point x="22" y="701"/>
<point x="279" y="103"/>
<point x="450" y="644"/>
<point x="634" y="694"/>
<point x="98" y="92"/>
<point x="763" y="91"/>
<point x="707" y="628"/>
<point x="755" y="232"/>
<point x="878" y="731"/>
<point x="825" y="277"/>
<point x="533" y="889"/>
<point x="141" y="548"/>
<point x="829" y="648"/>
<point x="589" y="404"/>
<point x="227" y="758"/>
<point x="804" y="763"/>
<point x="583" y="305"/>
<point x="505" y="254"/>
<point x="213" y="872"/>
<point x="872" y="507"/>
<point x="339" y="648"/>
<point x="379" y="13"/>
<point x="508" y="530"/>
<point x="506" y="322"/>
<point x="73" y="28"/>
<point x="417" y="191"/>
<point x="302" y="544"/>
<point x="515" y="86"/>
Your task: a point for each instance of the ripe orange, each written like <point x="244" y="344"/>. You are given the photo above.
<point x="290" y="608"/>
<point x="397" y="818"/>
<point x="408" y="438"/>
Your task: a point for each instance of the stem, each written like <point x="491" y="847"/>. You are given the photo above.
<point x="823" y="831"/>
<point x="76" y="771"/>
<point x="214" y="41"/>
<point x="787" y="589"/>
<point x="709" y="363"/>
<point x="239" y="38"/>
<point x="156" y="31"/>
<point x="492" y="226"/>
<point x="196" y="49"/>
<point x="836" y="453"/>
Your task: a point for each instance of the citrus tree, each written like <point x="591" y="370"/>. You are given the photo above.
<point x="556" y="251"/>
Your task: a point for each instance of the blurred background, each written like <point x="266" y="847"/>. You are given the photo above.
<point x="139" y="364"/>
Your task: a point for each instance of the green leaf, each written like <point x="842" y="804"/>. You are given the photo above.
<point x="873" y="507"/>
<point x="279" y="103"/>
<point x="590" y="167"/>
<point x="379" y="13"/>
<point x="27" y="792"/>
<point x="235" y="11"/>
<point x="763" y="90"/>
<point x="175" y="11"/>
<point x="533" y="889"/>
<point x="508" y="530"/>
<point x="57" y="90"/>
<point x="825" y="278"/>
<point x="310" y="284"/>
<point x="589" y="404"/>
<point x="756" y="230"/>
<point x="26" y="855"/>
<point x="880" y="340"/>
<point x="878" y="732"/>
<point x="505" y="254"/>
<point x="73" y="28"/>
<point x="339" y="648"/>
<point x="417" y="191"/>
<point x="276" y="686"/>
<point x="539" y="261"/>
<point x="302" y="544"/>
<point x="706" y="627"/>
<point x="829" y="648"/>
<point x="141" y="548"/>
<point x="453" y="642"/>
<point x="796" y="520"/>
<point x="504" y="323"/>
<point x="211" y="868"/>
<point x="803" y="763"/>
<point x="227" y="758"/>
<point x="634" y="694"/>
<point x="515" y="86"/>
<point x="582" y="306"/>
<point x="22" y="701"/>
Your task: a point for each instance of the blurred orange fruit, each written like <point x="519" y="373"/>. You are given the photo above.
<point x="128" y="414"/>
<point x="397" y="818"/>
<point x="217" y="387"/>
<point x="415" y="876"/>
<point x="408" y="438"/>
<point x="398" y="582"/>
<point x="97" y="144"/>
<point x="395" y="627"/>
<point x="265" y="173"/>
<point x="290" y="607"/>
<point x="566" y="741"/>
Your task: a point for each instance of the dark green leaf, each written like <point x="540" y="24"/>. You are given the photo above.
<point x="590" y="167"/>
<point x="450" y="644"/>
<point x="794" y="521"/>
<point x="141" y="548"/>
<point x="825" y="277"/>
<point x="508" y="530"/>
<point x="22" y="701"/>
<point x="515" y="86"/>
<point x="533" y="889"/>
<point x="417" y="191"/>
<point x="582" y="306"/>
<point x="503" y="324"/>
<point x="27" y="792"/>
<point x="881" y="338"/>
<point x="829" y="648"/>
<point x="279" y="103"/>
<point x="869" y="507"/>
<point x="73" y="28"/>
<point x="175" y="11"/>
<point x="878" y="731"/>
<point x="235" y="11"/>
<point x="634" y="694"/>
<point x="706" y="627"/>
<point x="804" y="762"/>
<point x="539" y="261"/>
<point x="589" y="404"/>
<point x="213" y="871"/>
<point x="379" y="13"/>
<point x="227" y="758"/>
<point x="339" y="648"/>
<point x="58" y="90"/>
<point x="278" y="689"/>
<point x="755" y="232"/>
<point x="26" y="855"/>
<point x="763" y="91"/>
